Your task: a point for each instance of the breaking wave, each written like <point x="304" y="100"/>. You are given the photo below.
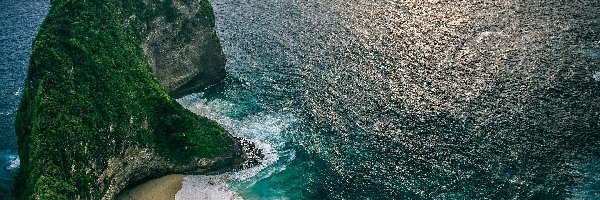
<point x="266" y="130"/>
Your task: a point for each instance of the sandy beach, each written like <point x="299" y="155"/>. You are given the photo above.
<point x="163" y="188"/>
<point x="202" y="187"/>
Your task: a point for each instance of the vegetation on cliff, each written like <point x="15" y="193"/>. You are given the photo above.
<point x="90" y="95"/>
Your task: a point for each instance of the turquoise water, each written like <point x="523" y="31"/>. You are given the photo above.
<point x="287" y="171"/>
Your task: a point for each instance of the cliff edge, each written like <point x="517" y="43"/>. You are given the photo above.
<point x="95" y="116"/>
<point x="181" y="44"/>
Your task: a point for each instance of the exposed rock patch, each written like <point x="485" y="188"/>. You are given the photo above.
<point x="182" y="47"/>
<point x="252" y="155"/>
<point x="140" y="164"/>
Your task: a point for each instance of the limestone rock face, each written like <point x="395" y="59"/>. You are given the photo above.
<point x="183" y="48"/>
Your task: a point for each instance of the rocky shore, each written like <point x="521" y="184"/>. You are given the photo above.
<point x="252" y="154"/>
<point x="167" y="186"/>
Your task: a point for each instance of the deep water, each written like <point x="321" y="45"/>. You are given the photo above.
<point x="346" y="108"/>
<point x="19" y="22"/>
<point x="329" y="92"/>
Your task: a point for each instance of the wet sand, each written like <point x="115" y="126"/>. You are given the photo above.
<point x="202" y="187"/>
<point x="163" y="188"/>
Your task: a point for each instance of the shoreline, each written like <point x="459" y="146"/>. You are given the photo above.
<point x="186" y="187"/>
<point x="163" y="188"/>
<point x="209" y="187"/>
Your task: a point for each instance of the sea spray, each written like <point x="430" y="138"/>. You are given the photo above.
<point x="206" y="187"/>
<point x="265" y="130"/>
<point x="9" y="162"/>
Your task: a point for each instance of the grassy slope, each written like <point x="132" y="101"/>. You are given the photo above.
<point x="90" y="94"/>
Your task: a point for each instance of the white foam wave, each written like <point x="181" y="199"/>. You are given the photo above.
<point x="13" y="162"/>
<point x="18" y="92"/>
<point x="264" y="129"/>
<point x="206" y="187"/>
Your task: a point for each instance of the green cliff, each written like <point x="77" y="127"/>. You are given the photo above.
<point x="94" y="118"/>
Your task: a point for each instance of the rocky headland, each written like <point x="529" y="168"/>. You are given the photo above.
<point x="97" y="113"/>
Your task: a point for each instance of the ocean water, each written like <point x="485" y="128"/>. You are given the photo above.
<point x="344" y="106"/>
<point x="19" y="22"/>
<point x="348" y="108"/>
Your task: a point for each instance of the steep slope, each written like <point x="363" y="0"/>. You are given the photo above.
<point x="179" y="40"/>
<point x="94" y="118"/>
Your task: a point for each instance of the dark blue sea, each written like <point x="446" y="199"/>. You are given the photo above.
<point x="19" y="23"/>
<point x="344" y="106"/>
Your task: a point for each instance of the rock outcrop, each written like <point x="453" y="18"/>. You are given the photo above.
<point x="94" y="118"/>
<point x="183" y="49"/>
